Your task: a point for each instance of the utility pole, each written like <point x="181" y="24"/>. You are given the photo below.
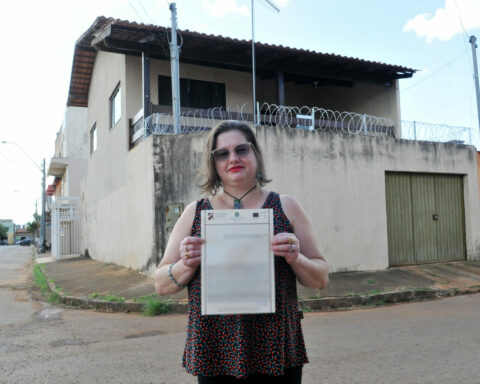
<point x="42" y="224"/>
<point x="254" y="95"/>
<point x="254" y="88"/>
<point x="174" y="71"/>
<point x="472" y="41"/>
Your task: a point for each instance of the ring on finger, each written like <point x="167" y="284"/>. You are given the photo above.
<point x="187" y="255"/>
<point x="292" y="248"/>
<point x="291" y="239"/>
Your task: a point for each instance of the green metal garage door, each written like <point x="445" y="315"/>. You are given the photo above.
<point x="425" y="218"/>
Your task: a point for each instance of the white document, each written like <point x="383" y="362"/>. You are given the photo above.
<point x="237" y="265"/>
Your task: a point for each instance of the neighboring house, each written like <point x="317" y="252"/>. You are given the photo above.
<point x="68" y="167"/>
<point x="11" y="230"/>
<point x="69" y="164"/>
<point x="22" y="233"/>
<point x="352" y="186"/>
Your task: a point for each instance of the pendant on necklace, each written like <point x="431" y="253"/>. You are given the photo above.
<point x="237" y="201"/>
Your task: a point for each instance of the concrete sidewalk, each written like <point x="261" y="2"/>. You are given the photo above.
<point x="88" y="283"/>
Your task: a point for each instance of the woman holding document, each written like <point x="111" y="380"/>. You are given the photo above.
<point x="268" y="347"/>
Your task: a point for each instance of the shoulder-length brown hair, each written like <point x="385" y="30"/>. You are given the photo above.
<point x="208" y="179"/>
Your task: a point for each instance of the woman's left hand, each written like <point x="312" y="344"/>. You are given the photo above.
<point x="287" y="246"/>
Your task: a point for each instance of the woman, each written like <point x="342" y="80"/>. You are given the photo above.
<point x="265" y="347"/>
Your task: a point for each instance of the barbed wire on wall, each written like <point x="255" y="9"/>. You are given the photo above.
<point x="419" y="131"/>
<point x="307" y="118"/>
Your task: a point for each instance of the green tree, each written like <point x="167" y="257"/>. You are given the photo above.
<point x="33" y="226"/>
<point x="3" y="232"/>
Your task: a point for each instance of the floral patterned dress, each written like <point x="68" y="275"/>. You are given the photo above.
<point x="239" y="345"/>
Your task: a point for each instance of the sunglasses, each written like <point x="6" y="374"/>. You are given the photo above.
<point x="222" y="154"/>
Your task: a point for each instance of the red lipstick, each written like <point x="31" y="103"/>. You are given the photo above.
<point x="235" y="169"/>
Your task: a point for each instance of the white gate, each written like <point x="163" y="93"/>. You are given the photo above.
<point x="66" y="227"/>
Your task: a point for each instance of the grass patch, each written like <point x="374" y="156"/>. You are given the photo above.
<point x="112" y="298"/>
<point x="307" y="309"/>
<point x="93" y="295"/>
<point x="39" y="278"/>
<point x="54" y="298"/>
<point x="370" y="281"/>
<point x="144" y="299"/>
<point x="154" y="306"/>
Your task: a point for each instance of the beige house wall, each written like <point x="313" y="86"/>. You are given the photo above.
<point x="368" y="98"/>
<point x="117" y="198"/>
<point x="75" y="139"/>
<point x="338" y="179"/>
<point x="59" y="143"/>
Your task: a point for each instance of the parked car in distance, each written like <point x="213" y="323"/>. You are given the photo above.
<point x="25" y="242"/>
<point x="3" y="242"/>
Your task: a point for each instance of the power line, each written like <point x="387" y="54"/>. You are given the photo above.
<point x="131" y="6"/>
<point x="434" y="72"/>
<point x="10" y="160"/>
<point x="270" y="5"/>
<point x="146" y="13"/>
<point x="460" y="18"/>
<point x="465" y="35"/>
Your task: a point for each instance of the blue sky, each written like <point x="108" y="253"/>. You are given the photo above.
<point x="39" y="38"/>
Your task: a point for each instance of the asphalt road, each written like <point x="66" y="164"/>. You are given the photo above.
<point x="428" y="342"/>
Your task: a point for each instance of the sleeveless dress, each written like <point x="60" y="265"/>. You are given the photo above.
<point x="240" y="345"/>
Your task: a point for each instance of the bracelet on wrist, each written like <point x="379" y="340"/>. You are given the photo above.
<point x="173" y="278"/>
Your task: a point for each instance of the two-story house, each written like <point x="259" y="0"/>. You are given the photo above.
<point x="355" y="186"/>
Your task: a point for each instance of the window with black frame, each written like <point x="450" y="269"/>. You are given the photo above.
<point x="193" y="93"/>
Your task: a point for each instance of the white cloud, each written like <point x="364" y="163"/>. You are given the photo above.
<point x="445" y="23"/>
<point x="220" y="8"/>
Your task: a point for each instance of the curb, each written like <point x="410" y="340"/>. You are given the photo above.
<point x="320" y="304"/>
<point x="315" y="304"/>
<point x="381" y="299"/>
<point x="104" y="305"/>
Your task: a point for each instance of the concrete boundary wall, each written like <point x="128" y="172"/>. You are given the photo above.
<point x="338" y="179"/>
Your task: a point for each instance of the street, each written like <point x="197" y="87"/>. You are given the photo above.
<point x="426" y="342"/>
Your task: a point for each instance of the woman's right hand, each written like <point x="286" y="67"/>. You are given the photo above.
<point x="191" y="251"/>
